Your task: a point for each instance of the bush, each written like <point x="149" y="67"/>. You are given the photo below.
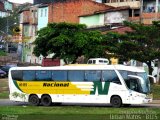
<point x="2" y="53"/>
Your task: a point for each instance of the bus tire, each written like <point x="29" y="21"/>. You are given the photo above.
<point x="46" y="100"/>
<point x="34" y="100"/>
<point x="116" y="101"/>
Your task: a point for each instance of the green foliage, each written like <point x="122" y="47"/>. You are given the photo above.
<point x="68" y="41"/>
<point x="2" y="53"/>
<point x="142" y="43"/>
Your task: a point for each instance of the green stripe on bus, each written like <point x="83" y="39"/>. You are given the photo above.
<point x="15" y="83"/>
<point x="102" y="90"/>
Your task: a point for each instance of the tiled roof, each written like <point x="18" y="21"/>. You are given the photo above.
<point x="121" y="30"/>
<point x="108" y="10"/>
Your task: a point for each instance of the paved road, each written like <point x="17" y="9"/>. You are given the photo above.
<point x="7" y="102"/>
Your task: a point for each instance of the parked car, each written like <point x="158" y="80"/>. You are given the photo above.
<point x="6" y="68"/>
<point x="2" y="74"/>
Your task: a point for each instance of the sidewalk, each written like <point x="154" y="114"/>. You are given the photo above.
<point x="156" y="102"/>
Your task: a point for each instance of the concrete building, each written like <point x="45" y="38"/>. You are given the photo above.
<point x="6" y="8"/>
<point x="105" y="17"/>
<point x="69" y="10"/>
<point x="42" y="16"/>
<point x="28" y="26"/>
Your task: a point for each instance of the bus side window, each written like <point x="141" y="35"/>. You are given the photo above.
<point x="77" y="75"/>
<point x="59" y="75"/>
<point x="17" y="75"/>
<point x="29" y="75"/>
<point x="43" y="75"/>
<point x="92" y="75"/>
<point x="94" y="61"/>
<point x="90" y="62"/>
<point x="110" y="76"/>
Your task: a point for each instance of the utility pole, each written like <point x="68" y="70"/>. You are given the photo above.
<point x="7" y="30"/>
<point x="156" y="19"/>
<point x="141" y="11"/>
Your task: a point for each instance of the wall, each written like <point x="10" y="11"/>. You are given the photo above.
<point x="3" y="14"/>
<point x="68" y="11"/>
<point x="116" y="16"/>
<point x="8" y="6"/>
<point x="42" y="17"/>
<point x="25" y="17"/>
<point x="93" y="20"/>
<point x="131" y="4"/>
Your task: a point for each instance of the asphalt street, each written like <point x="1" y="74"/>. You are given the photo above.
<point x="7" y="102"/>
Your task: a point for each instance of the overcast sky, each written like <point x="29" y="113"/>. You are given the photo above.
<point x="21" y="1"/>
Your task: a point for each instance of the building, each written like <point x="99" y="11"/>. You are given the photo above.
<point x="150" y="11"/>
<point x="42" y="16"/>
<point x="6" y="8"/>
<point x="28" y="26"/>
<point x="69" y="10"/>
<point x="56" y="11"/>
<point x="114" y="16"/>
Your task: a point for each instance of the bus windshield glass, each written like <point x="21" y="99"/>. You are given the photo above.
<point x="135" y="84"/>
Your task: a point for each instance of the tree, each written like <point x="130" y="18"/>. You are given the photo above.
<point x="142" y="43"/>
<point x="68" y="41"/>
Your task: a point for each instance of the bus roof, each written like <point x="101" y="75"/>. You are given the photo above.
<point x="82" y="67"/>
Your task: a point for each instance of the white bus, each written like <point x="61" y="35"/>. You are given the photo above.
<point x="115" y="84"/>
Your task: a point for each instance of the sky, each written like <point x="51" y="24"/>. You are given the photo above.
<point x="21" y="1"/>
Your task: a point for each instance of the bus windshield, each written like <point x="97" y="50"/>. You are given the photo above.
<point x="135" y="84"/>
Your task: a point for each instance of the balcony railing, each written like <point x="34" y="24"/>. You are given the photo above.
<point x="134" y="19"/>
<point x="132" y="4"/>
<point x="146" y="18"/>
<point x="34" y="20"/>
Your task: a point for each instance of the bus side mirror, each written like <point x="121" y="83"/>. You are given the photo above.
<point x="153" y="78"/>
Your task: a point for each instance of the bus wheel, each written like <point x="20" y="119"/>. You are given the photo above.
<point x="34" y="100"/>
<point x="116" y="101"/>
<point x="46" y="100"/>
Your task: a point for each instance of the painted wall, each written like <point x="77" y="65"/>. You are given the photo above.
<point x="116" y="16"/>
<point x="8" y="5"/>
<point x="26" y="31"/>
<point x="42" y="17"/>
<point x="3" y="14"/>
<point x="94" y="20"/>
<point x="105" y="18"/>
<point x="130" y="3"/>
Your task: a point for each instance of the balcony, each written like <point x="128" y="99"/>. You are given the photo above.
<point x="134" y="19"/>
<point x="25" y="17"/>
<point x="34" y="20"/>
<point x="131" y="4"/>
<point x="146" y="18"/>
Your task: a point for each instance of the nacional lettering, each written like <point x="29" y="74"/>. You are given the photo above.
<point x="55" y="84"/>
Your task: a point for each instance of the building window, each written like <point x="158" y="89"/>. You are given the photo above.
<point x="41" y="12"/>
<point x="45" y="12"/>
